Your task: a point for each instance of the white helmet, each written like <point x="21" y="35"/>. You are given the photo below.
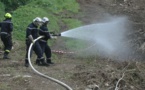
<point x="37" y="21"/>
<point x="45" y="19"/>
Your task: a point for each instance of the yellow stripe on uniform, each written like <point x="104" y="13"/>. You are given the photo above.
<point x="7" y="50"/>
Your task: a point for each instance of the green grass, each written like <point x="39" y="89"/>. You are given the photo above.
<point x="56" y="6"/>
<point x="72" y="23"/>
<point x="55" y="10"/>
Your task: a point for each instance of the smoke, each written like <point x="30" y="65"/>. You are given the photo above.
<point x="109" y="37"/>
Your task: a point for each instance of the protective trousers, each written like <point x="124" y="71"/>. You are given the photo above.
<point x="45" y="49"/>
<point x="7" y="41"/>
<point x="36" y="47"/>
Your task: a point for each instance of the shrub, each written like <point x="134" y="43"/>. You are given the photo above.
<point x="13" y="4"/>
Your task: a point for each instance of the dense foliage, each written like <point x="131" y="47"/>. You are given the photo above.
<point x="11" y="5"/>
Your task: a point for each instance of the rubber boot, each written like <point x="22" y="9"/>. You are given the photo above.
<point x="41" y="62"/>
<point x="6" y="55"/>
<point x="49" y="61"/>
<point x="38" y="61"/>
<point x="26" y="63"/>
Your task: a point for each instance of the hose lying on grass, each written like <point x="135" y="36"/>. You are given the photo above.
<point x="43" y="75"/>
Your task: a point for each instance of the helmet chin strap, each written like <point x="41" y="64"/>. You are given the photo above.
<point x="40" y="23"/>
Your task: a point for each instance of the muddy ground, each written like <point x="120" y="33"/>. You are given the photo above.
<point x="84" y="73"/>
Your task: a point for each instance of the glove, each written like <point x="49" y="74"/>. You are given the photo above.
<point x="32" y="41"/>
<point x="54" y="37"/>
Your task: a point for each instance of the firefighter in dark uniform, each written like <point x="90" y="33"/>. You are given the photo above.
<point x="43" y="42"/>
<point x="31" y="34"/>
<point x="6" y="34"/>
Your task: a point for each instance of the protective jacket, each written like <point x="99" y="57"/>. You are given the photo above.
<point x="44" y="32"/>
<point x="6" y="26"/>
<point x="32" y="30"/>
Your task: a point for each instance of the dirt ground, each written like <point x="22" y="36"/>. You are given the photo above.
<point x="84" y="73"/>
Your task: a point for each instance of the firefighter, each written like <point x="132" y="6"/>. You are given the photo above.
<point x="43" y="42"/>
<point x="31" y="34"/>
<point x="6" y="34"/>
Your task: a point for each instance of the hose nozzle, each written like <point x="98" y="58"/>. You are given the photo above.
<point x="56" y="34"/>
<point x="59" y="34"/>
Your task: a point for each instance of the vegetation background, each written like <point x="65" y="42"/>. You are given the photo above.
<point x="24" y="11"/>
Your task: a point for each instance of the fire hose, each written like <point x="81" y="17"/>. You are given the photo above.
<point x="43" y="75"/>
<point x="63" y="52"/>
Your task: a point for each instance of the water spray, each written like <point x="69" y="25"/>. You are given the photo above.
<point x="109" y="38"/>
<point x="43" y="75"/>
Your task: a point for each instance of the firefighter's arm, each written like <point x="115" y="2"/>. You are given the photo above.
<point x="31" y="38"/>
<point x="53" y="37"/>
<point x="11" y="27"/>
